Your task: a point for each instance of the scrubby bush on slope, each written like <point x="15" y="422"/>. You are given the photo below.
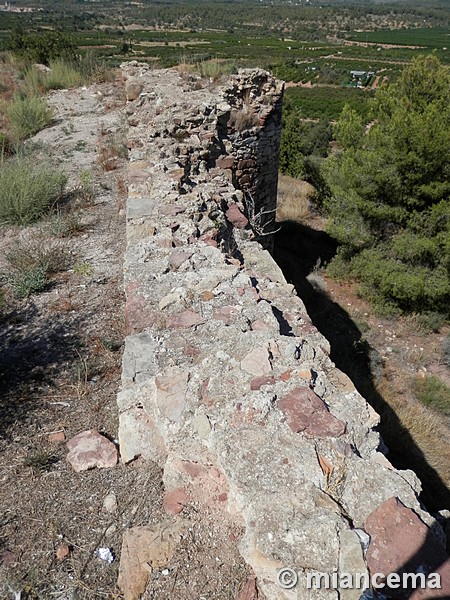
<point x="389" y="201"/>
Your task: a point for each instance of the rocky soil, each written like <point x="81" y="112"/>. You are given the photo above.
<point x="60" y="357"/>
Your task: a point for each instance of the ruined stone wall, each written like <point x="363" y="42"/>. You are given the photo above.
<point x="226" y="383"/>
<point x="253" y="140"/>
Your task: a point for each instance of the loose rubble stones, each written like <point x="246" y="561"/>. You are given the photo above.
<point x="90" y="449"/>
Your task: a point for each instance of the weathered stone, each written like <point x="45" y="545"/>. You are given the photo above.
<point x="202" y="426"/>
<point x="227" y="314"/>
<point x="401" y="543"/>
<point x="258" y="382"/>
<point x="170" y="299"/>
<point x="41" y="68"/>
<point x="175" y="501"/>
<point x="57" y="437"/>
<point x="177" y="174"/>
<point x="143" y="549"/>
<point x="133" y="89"/>
<point x="225" y="163"/>
<point x="249" y="591"/>
<point x="307" y="413"/>
<point x="185" y="319"/>
<point x="257" y="362"/>
<point x="89" y="449"/>
<point x="138" y="315"/>
<point x="137" y="176"/>
<point x="206" y="296"/>
<point x="177" y="258"/>
<point x="236" y="217"/>
<point x="9" y="559"/>
<point x="205" y="393"/>
<point x="209" y="238"/>
<point x="139" y="436"/>
<point x="351" y="561"/>
<point x="245" y="179"/>
<point x="171" y="210"/>
<point x="139" y="360"/>
<point x="246" y="164"/>
<point x="259" y="325"/>
<point x="343" y="382"/>
<point x="139" y="206"/>
<point x="62" y="551"/>
<point x="171" y="393"/>
<point x="110" y="503"/>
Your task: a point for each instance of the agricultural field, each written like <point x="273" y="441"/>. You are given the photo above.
<point x="327" y="103"/>
<point x="312" y="45"/>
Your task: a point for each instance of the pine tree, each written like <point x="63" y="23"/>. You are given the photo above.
<point x="389" y="202"/>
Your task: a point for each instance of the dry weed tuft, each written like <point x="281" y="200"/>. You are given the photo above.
<point x="110" y="150"/>
<point x="243" y="118"/>
<point x="31" y="264"/>
<point x="293" y="199"/>
<point x="426" y="428"/>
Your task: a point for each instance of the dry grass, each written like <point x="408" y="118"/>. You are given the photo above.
<point x="184" y="67"/>
<point x="111" y="150"/>
<point x="293" y="199"/>
<point x="243" y="118"/>
<point x="427" y="429"/>
<point x="31" y="264"/>
<point x="433" y="392"/>
<point x="215" y="70"/>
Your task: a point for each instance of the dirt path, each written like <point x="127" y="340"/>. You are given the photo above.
<point x="60" y="362"/>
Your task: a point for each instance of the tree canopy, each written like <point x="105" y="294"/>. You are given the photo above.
<point x="41" y="47"/>
<point x="389" y="191"/>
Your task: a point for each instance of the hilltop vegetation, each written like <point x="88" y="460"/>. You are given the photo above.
<point x="320" y="48"/>
<point x="389" y="202"/>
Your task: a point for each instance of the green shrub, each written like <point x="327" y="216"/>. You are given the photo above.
<point x="214" y="69"/>
<point x="94" y="69"/>
<point x="433" y="392"/>
<point x="65" y="224"/>
<point x="412" y="288"/>
<point x="339" y="267"/>
<point x="27" y="189"/>
<point x="32" y="82"/>
<point x="30" y="266"/>
<point x="389" y="192"/>
<point x="62" y="74"/>
<point x="26" y="283"/>
<point x="431" y="321"/>
<point x="41" y="47"/>
<point x="28" y="115"/>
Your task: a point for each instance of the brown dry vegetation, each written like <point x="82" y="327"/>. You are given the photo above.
<point x="294" y="196"/>
<point x="8" y="86"/>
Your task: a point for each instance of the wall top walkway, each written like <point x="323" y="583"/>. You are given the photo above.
<point x="227" y="385"/>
